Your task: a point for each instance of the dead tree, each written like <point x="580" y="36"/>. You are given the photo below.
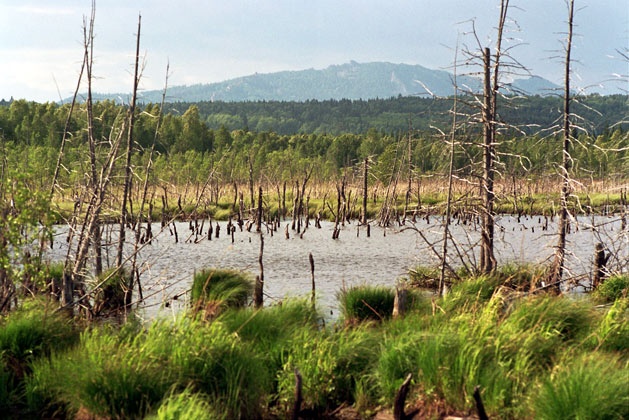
<point x="365" y="179"/>
<point x="556" y="274"/>
<point x="127" y="177"/>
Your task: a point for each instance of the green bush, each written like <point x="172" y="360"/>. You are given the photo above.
<point x="362" y="303"/>
<point x="32" y="331"/>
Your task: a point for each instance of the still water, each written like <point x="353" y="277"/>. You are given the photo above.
<point x="383" y="258"/>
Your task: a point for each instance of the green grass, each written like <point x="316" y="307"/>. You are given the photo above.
<point x="221" y="288"/>
<point x="533" y="357"/>
<point x="613" y="288"/>
<point x="361" y="303"/>
<point x="186" y="405"/>
<point x="584" y="387"/>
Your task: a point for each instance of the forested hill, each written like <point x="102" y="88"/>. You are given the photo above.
<point x="394" y="115"/>
<point x="347" y="81"/>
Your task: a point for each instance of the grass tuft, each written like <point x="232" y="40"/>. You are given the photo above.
<point x="217" y="289"/>
<point x="585" y="387"/>
<point x="366" y="303"/>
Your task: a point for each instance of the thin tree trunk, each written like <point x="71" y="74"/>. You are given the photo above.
<point x="560" y="252"/>
<point x="487" y="259"/>
<point x="365" y="179"/>
<point x="127" y="177"/>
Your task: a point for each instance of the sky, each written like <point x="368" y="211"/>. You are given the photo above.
<point x="212" y="41"/>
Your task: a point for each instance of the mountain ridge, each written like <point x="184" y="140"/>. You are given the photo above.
<point x="351" y="80"/>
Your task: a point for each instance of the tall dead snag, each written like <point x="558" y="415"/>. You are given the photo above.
<point x="365" y="179"/>
<point x="138" y="232"/>
<point x="127" y="177"/>
<point x="566" y="162"/>
<point x="487" y="258"/>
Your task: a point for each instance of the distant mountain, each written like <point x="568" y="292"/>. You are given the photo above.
<point x="346" y="81"/>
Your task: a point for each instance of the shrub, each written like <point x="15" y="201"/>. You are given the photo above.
<point x="109" y="296"/>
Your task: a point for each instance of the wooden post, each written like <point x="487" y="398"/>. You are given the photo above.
<point x="480" y="408"/>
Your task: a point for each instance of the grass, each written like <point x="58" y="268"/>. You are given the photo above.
<point x="533" y="357"/>
<point x="584" y="387"/>
<point x="613" y="288"/>
<point x="217" y="289"/>
<point x="32" y="332"/>
<point x="361" y="303"/>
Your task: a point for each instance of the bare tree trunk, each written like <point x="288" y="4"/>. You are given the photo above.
<point x="487" y="259"/>
<point x="365" y="179"/>
<point x="127" y="178"/>
<point x="446" y="228"/>
<point x="145" y="191"/>
<point x="560" y="251"/>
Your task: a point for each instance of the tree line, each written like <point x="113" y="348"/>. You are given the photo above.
<point x="191" y="140"/>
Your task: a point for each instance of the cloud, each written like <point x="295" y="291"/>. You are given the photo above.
<point x="48" y="11"/>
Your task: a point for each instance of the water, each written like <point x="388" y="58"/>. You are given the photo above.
<point x="383" y="258"/>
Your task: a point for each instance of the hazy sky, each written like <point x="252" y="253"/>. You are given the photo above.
<point x="211" y="41"/>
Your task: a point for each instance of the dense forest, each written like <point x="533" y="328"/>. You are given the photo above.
<point x="396" y="115"/>
<point x="279" y="140"/>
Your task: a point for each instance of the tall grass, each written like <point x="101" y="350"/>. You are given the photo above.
<point x="363" y="303"/>
<point x="331" y="365"/>
<point x="532" y="357"/>
<point x="34" y="330"/>
<point x="128" y="377"/>
<point x="585" y="387"/>
<point x="186" y="405"/>
<point x="221" y="288"/>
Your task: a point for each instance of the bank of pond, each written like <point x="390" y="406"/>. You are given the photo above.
<point x="488" y="347"/>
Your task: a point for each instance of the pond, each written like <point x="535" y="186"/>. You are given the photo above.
<point x="383" y="258"/>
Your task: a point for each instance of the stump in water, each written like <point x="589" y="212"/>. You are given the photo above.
<point x="312" y="270"/>
<point x="600" y="263"/>
<point x="258" y="298"/>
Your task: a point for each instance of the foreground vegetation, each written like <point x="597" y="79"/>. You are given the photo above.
<point x="533" y="356"/>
